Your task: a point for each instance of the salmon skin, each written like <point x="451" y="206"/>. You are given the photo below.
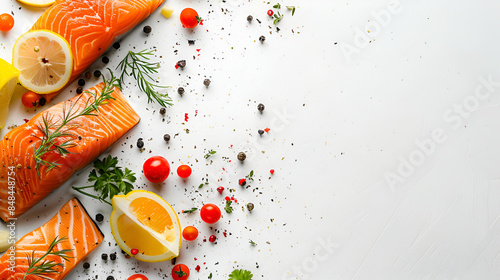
<point x="91" y="26"/>
<point x="20" y="185"/>
<point x="71" y="222"/>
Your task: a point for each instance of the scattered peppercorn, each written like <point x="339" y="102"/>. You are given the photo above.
<point x="191" y="42"/>
<point x="116" y="45"/>
<point x="105" y="59"/>
<point x="181" y="63"/>
<point x="249" y="18"/>
<point x="88" y="75"/>
<point x="207" y="82"/>
<point x="147" y="29"/>
<point x="180" y="91"/>
<point x="250" y="206"/>
<point x="261" y="132"/>
<point x="104" y="257"/>
<point x="140" y="143"/>
<point x="42" y="101"/>
<point x="242" y="156"/>
<point x="86" y="265"/>
<point x="110" y="278"/>
<point x="112" y="256"/>
<point x="212" y="238"/>
<point x="79" y="90"/>
<point x="81" y="82"/>
<point x="99" y="217"/>
<point x="97" y="73"/>
<point x="166" y="137"/>
<point x="163" y="111"/>
<point x="262" y="38"/>
<point x="261" y="107"/>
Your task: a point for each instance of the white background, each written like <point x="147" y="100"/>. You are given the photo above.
<point x="340" y="123"/>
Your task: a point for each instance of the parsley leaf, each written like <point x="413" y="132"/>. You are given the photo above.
<point x="210" y="153"/>
<point x="240" y="274"/>
<point x="109" y="180"/>
<point x="250" y="176"/>
<point x="291" y="8"/>
<point x="277" y="6"/>
<point x="228" y="208"/>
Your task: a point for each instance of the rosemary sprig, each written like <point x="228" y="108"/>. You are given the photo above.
<point x="53" y="131"/>
<point x="40" y="267"/>
<point x="139" y="66"/>
<point x="190" y="210"/>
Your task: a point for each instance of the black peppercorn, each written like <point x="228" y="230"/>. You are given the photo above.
<point x="110" y="278"/>
<point x="262" y="39"/>
<point x="181" y="63"/>
<point x="104" y="257"/>
<point x="88" y="75"/>
<point x="79" y="90"/>
<point x="249" y="18"/>
<point x="147" y="29"/>
<point x="81" y="82"/>
<point x="42" y="101"/>
<point x="116" y="45"/>
<point x="163" y="111"/>
<point x="99" y="217"/>
<point x="140" y="143"/>
<point x="261" y="107"/>
<point x="250" y="206"/>
<point x="242" y="156"/>
<point x="97" y="73"/>
<point x="261" y="131"/>
<point x="112" y="256"/>
<point x="180" y="90"/>
<point x="105" y="59"/>
<point x="207" y="82"/>
<point x="86" y="265"/>
<point x="166" y="137"/>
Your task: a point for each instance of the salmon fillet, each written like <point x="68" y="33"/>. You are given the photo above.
<point x="72" y="222"/>
<point x="17" y="149"/>
<point x="91" y="26"/>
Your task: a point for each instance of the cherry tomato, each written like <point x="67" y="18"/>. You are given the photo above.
<point x="156" y="169"/>
<point x="184" y="171"/>
<point x="137" y="277"/>
<point x="180" y="272"/>
<point x="190" y="233"/>
<point x="30" y="99"/>
<point x="189" y="18"/>
<point x="6" y="22"/>
<point x="210" y="213"/>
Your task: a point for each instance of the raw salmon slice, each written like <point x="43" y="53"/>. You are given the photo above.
<point x="72" y="222"/>
<point x="91" y="26"/>
<point x="95" y="135"/>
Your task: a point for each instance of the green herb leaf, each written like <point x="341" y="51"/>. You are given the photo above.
<point x="278" y="16"/>
<point x="252" y="243"/>
<point x="210" y="276"/>
<point x="228" y="208"/>
<point x="210" y="153"/>
<point x="138" y="65"/>
<point x="240" y="274"/>
<point x="109" y="180"/>
<point x="250" y="176"/>
<point x="277" y="6"/>
<point x="291" y="8"/>
<point x="189" y="211"/>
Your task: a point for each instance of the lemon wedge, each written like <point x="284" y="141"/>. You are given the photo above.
<point x="44" y="59"/>
<point x="167" y="11"/>
<point x="37" y="3"/>
<point x="8" y="81"/>
<point x="145" y="226"/>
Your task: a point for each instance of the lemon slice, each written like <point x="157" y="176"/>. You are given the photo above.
<point x="44" y="59"/>
<point x="8" y="81"/>
<point x="144" y="221"/>
<point x="37" y="3"/>
<point x="167" y="11"/>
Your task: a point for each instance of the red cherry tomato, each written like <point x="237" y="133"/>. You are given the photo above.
<point x="156" y="169"/>
<point x="137" y="277"/>
<point x="30" y="99"/>
<point x="189" y="18"/>
<point x="180" y="272"/>
<point x="184" y="171"/>
<point x="210" y="213"/>
<point x="6" y="22"/>
<point x="190" y="233"/>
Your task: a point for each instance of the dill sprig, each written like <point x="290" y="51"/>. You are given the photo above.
<point x="52" y="130"/>
<point x="139" y="66"/>
<point x="40" y="267"/>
